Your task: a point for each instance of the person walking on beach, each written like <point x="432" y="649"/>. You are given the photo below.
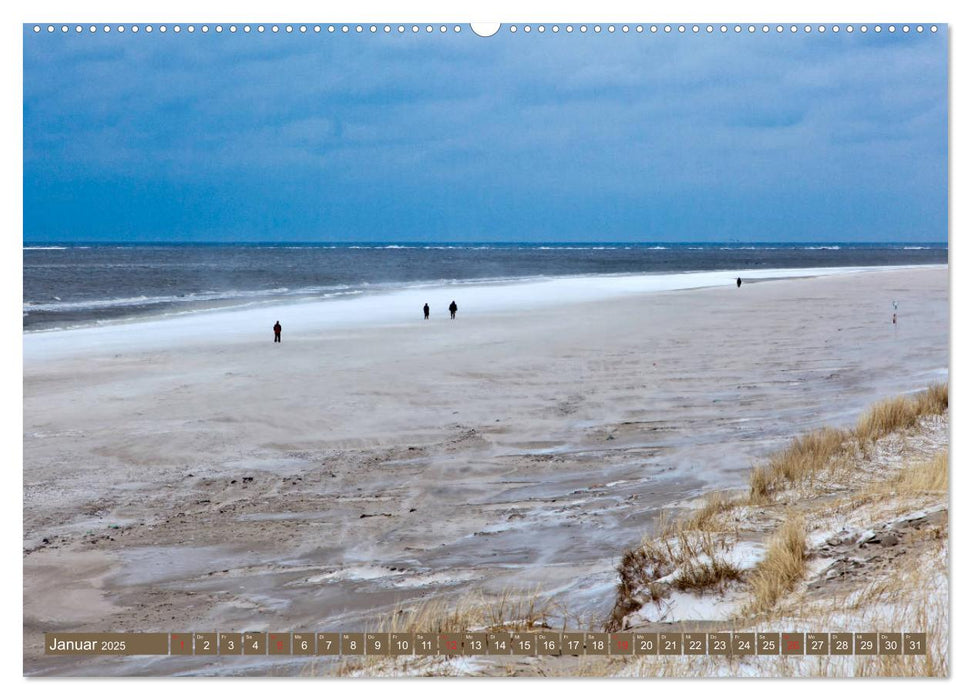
<point x="277" y="329"/>
<point x="738" y="282"/>
<point x="426" y="310"/>
<point x="452" y="308"/>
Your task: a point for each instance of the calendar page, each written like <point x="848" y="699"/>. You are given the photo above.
<point x="548" y="349"/>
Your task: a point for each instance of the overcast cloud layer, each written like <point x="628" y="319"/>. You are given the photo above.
<point x="609" y="137"/>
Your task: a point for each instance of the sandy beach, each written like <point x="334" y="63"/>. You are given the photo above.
<point x="209" y="479"/>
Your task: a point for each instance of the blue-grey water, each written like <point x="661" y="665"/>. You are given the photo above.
<point x="74" y="285"/>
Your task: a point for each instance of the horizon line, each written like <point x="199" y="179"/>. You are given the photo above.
<point x="470" y="243"/>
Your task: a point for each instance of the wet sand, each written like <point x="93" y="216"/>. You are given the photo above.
<point x="321" y="483"/>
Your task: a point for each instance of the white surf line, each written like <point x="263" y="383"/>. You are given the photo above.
<point x="393" y="307"/>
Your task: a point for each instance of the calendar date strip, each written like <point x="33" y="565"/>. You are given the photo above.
<point x="542" y="643"/>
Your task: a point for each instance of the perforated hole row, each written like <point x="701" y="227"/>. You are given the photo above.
<point x="716" y="28"/>
<point x="251" y="28"/>
<point x="513" y="28"/>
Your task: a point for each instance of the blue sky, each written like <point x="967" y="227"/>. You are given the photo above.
<point x="609" y="137"/>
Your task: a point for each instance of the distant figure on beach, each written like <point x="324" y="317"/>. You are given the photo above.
<point x="452" y="308"/>
<point x="277" y="329"/>
<point x="426" y="310"/>
<point x="738" y="282"/>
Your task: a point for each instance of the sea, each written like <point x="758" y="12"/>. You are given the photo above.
<point x="69" y="286"/>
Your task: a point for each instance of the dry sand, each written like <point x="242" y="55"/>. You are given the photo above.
<point x="320" y="483"/>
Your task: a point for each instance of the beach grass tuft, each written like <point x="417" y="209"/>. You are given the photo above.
<point x="706" y="575"/>
<point x="784" y="565"/>
<point x="509" y="611"/>
<point x="927" y="476"/>
<point x="686" y="555"/>
<point x="933" y="401"/>
<point x="816" y="482"/>
<point x="901" y="413"/>
<point x="705" y="517"/>
<point x="801" y="460"/>
<point x="827" y="449"/>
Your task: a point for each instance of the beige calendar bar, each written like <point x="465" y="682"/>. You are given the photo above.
<point x="544" y="643"/>
<point x="106" y="643"/>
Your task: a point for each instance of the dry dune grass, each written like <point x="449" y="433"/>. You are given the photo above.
<point x="933" y="401"/>
<point x="924" y="477"/>
<point x="887" y="416"/>
<point x="898" y="603"/>
<point x="913" y="596"/>
<point x="805" y="456"/>
<point x="706" y="575"/>
<point x="783" y="566"/>
<point x="909" y="596"/>
<point x="693" y="549"/>
<point x="828" y="449"/>
<point x="698" y="557"/>
<point x="894" y="599"/>
<point x="705" y="517"/>
<point x="509" y="611"/>
<point x="901" y="413"/>
<point x="436" y="615"/>
<point x="928" y="476"/>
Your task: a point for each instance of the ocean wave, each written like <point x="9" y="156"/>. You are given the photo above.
<point x="234" y="299"/>
<point x="769" y="248"/>
<point x="590" y="247"/>
<point x="421" y="247"/>
<point x="45" y="247"/>
<point x="494" y="246"/>
<point x="59" y="306"/>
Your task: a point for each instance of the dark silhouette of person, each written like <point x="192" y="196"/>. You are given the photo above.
<point x="452" y="308"/>
<point x="426" y="310"/>
<point x="277" y="329"/>
<point x="738" y="282"/>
